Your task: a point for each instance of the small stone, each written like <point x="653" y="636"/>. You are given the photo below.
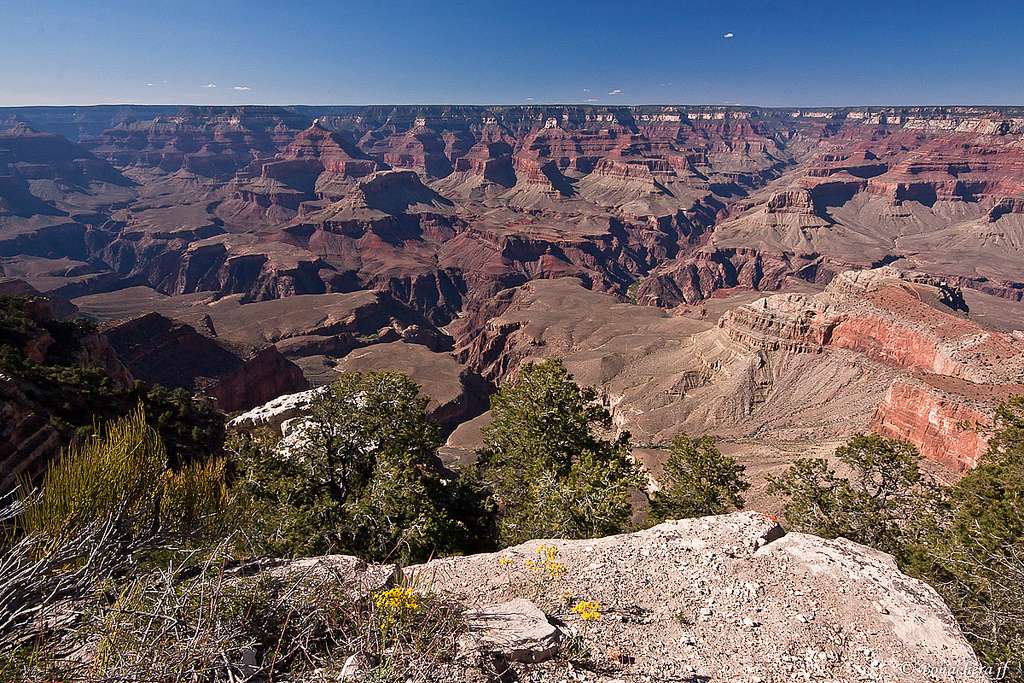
<point x="356" y="668"/>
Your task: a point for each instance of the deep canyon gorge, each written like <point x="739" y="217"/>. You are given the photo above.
<point x="776" y="277"/>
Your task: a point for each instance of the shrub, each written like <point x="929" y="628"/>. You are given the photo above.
<point x="192" y="428"/>
<point x="363" y="479"/>
<point x="193" y="499"/>
<point x="104" y="507"/>
<point x="698" y="480"/>
<point x="552" y="472"/>
<point x="876" y="504"/>
<point x="119" y="469"/>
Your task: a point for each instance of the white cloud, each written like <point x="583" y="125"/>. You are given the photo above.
<point x="241" y="87"/>
<point x="586" y="90"/>
<point x="529" y="99"/>
<point x="617" y="91"/>
<point x="210" y="85"/>
<point x="591" y="99"/>
<point x="729" y="35"/>
<point x="149" y="85"/>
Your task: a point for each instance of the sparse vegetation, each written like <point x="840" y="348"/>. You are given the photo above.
<point x="632" y="290"/>
<point x="966" y="540"/>
<point x="198" y="621"/>
<point x="105" y="508"/>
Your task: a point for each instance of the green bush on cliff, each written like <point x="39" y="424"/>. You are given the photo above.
<point x="77" y="397"/>
<point x="698" y="480"/>
<point x="122" y="471"/>
<point x="966" y="540"/>
<point x="875" y="504"/>
<point x="976" y="558"/>
<point x="553" y="473"/>
<point x="363" y="479"/>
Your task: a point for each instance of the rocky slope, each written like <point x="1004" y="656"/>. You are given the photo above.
<point x="717" y="598"/>
<point x="162" y="351"/>
<point x="786" y="368"/>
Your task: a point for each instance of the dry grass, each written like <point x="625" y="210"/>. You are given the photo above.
<point x="210" y="620"/>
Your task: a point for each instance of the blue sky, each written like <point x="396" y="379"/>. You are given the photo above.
<point x="337" y="52"/>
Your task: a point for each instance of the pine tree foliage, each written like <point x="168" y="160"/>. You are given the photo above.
<point x="553" y="470"/>
<point x="698" y="480"/>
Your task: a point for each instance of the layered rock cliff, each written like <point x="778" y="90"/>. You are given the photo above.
<point x="276" y="199"/>
<point x="808" y="367"/>
<point x="953" y="371"/>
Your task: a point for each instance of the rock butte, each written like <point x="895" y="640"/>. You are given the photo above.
<point x="638" y="243"/>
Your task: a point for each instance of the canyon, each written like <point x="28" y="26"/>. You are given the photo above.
<point x="778" y="278"/>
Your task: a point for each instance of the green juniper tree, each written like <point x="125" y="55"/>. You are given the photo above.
<point x="874" y="505"/>
<point x="698" y="480"/>
<point x="977" y="553"/>
<point x="363" y="478"/>
<point x="552" y="471"/>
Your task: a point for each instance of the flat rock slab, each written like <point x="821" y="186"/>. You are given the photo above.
<point x="517" y="631"/>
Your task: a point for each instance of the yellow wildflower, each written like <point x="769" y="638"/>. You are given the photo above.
<point x="588" y="610"/>
<point x="548" y="562"/>
<point x="398" y="598"/>
<point x="396" y="606"/>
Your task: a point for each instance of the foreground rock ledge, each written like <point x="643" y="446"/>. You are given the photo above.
<point x="726" y="598"/>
